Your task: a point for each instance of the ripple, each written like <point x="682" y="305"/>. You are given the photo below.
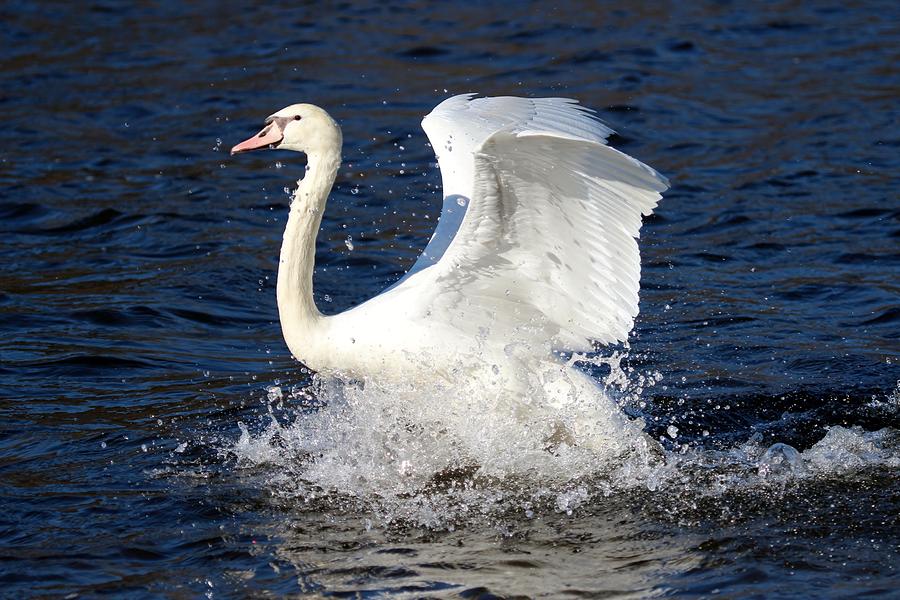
<point x="140" y="326"/>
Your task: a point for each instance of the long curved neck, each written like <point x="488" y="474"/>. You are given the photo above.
<point x="300" y="319"/>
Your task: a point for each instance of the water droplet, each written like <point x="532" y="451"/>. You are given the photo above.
<point x="672" y="431"/>
<point x="103" y="444"/>
<point x="780" y="459"/>
<point x="461" y="201"/>
<point x="143" y="447"/>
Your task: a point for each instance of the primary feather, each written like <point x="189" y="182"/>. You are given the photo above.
<point x="537" y="237"/>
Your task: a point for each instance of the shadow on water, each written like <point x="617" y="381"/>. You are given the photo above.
<point x="141" y="345"/>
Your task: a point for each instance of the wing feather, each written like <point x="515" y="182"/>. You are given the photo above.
<point x="546" y="247"/>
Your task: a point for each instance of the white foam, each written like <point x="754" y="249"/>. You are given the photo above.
<point x="849" y="449"/>
<point x="440" y="454"/>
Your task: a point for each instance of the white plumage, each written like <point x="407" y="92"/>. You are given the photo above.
<point x="535" y="250"/>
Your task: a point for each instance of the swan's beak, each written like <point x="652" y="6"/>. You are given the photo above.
<point x="269" y="136"/>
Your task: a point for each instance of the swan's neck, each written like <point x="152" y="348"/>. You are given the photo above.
<point x="301" y="321"/>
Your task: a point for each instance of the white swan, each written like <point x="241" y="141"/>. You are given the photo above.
<point x="534" y="253"/>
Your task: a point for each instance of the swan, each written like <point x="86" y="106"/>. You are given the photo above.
<point x="534" y="256"/>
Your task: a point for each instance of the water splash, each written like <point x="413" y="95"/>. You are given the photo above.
<point x="780" y="459"/>
<point x="441" y="456"/>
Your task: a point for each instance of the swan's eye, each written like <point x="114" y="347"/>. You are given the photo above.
<point x="297" y="117"/>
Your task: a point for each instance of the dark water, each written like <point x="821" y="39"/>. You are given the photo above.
<point x="141" y="349"/>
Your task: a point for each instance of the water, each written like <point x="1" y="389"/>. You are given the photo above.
<point x="157" y="440"/>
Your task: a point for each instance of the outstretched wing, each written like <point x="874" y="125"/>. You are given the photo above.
<point x="459" y="125"/>
<point x="539" y="222"/>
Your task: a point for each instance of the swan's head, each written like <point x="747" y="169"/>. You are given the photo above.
<point x="300" y="127"/>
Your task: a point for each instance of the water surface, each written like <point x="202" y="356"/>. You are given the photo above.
<point x="154" y="426"/>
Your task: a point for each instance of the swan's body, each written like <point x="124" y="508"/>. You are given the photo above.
<point x="535" y="250"/>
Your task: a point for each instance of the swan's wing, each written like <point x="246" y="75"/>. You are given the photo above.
<point x="459" y="125"/>
<point x="546" y="248"/>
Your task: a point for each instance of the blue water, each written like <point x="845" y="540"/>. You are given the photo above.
<point x="141" y="352"/>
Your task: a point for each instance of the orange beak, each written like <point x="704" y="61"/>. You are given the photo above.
<point x="270" y="136"/>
